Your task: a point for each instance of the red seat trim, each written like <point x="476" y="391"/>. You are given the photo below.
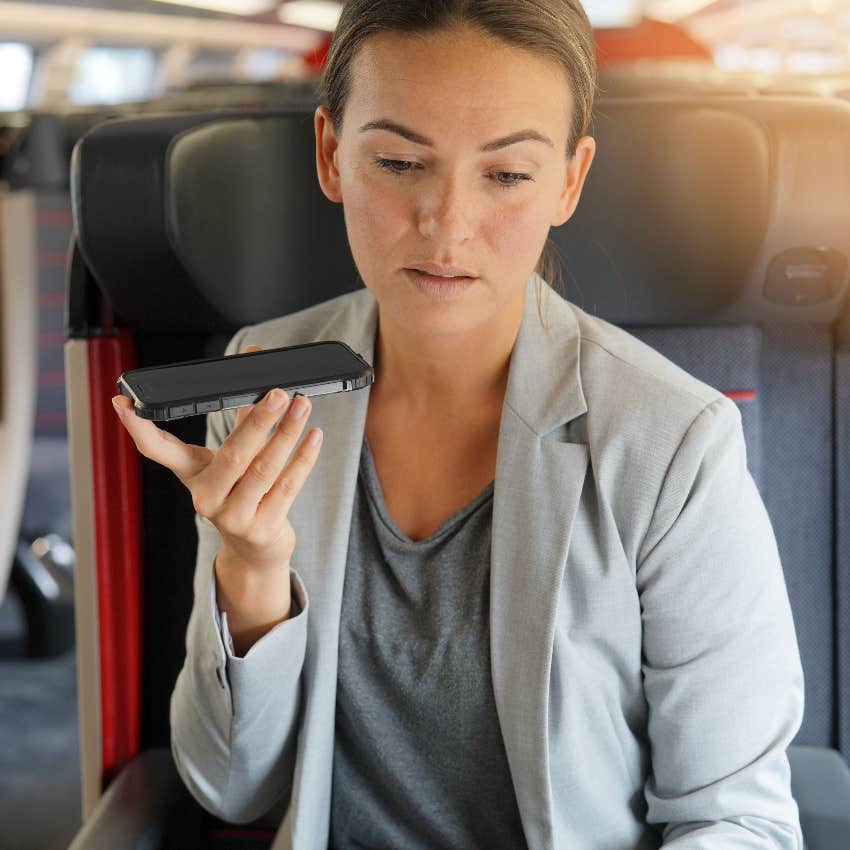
<point x="118" y="541"/>
<point x="741" y="395"/>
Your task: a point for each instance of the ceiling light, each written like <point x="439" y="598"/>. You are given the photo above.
<point x="317" y="14"/>
<point x="232" y="7"/>
<point x="614" y="14"/>
<point x="671" y="11"/>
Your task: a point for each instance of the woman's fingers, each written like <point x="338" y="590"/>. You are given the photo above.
<point x="279" y="499"/>
<point x="238" y="451"/>
<point x="267" y="468"/>
<point x="275" y="497"/>
<point x="183" y="459"/>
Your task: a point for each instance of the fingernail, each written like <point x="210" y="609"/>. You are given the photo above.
<point x="275" y="399"/>
<point x="118" y="409"/>
<point x="299" y="407"/>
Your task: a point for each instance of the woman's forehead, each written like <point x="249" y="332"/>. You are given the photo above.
<point x="467" y="75"/>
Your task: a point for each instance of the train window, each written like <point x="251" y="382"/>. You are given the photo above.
<point x="310" y="13"/>
<point x="263" y="63"/>
<point x="112" y="75"/>
<point x="15" y="73"/>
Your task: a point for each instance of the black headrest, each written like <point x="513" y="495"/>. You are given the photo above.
<point x="717" y="209"/>
<point x="712" y="211"/>
<point x="206" y="222"/>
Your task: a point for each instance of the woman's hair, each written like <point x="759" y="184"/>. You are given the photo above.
<point x="559" y="29"/>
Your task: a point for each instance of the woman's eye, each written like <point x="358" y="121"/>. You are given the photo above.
<point x="514" y="178"/>
<point x="506" y="179"/>
<point x="395" y="166"/>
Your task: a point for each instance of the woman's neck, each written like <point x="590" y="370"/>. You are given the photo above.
<point x="438" y="377"/>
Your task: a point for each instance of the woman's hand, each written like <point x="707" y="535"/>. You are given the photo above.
<point x="248" y="485"/>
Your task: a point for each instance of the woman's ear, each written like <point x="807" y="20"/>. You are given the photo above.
<point x="577" y="169"/>
<point x="326" y="155"/>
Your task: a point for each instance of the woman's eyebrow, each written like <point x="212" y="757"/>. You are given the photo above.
<point x="419" y="139"/>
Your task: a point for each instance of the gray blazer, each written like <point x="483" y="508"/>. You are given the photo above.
<point x="644" y="660"/>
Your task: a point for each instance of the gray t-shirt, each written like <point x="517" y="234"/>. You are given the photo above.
<point x="419" y="760"/>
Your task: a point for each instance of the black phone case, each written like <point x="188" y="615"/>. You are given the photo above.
<point x="130" y="384"/>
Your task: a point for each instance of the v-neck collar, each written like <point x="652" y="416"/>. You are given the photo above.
<point x="375" y="494"/>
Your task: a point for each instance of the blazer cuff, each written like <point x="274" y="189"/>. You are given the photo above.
<point x="296" y="621"/>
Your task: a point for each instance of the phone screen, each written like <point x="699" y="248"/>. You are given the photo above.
<point x="202" y="386"/>
<point x="295" y="366"/>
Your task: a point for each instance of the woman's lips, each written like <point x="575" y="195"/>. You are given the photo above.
<point x="439" y="287"/>
<point x="442" y="270"/>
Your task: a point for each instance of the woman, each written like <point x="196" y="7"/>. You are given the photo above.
<point x="535" y="598"/>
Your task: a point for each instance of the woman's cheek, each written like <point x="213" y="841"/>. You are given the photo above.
<point x="376" y="219"/>
<point x="518" y="234"/>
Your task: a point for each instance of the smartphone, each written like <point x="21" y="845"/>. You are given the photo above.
<point x="194" y="387"/>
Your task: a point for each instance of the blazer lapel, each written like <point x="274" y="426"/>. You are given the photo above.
<point x="321" y="516"/>
<point x="539" y="480"/>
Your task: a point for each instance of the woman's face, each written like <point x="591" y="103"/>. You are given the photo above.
<point x="469" y="169"/>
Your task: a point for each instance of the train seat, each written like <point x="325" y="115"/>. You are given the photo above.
<point x="683" y="78"/>
<point x="714" y="260"/>
<point x="714" y="229"/>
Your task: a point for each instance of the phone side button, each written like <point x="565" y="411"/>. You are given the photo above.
<point x="208" y="406"/>
<point x="240" y="400"/>
<point x="181" y="410"/>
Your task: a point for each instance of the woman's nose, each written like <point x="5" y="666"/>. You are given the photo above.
<point x="445" y="216"/>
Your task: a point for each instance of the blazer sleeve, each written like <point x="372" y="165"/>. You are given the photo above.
<point x="721" y="665"/>
<point x="234" y="720"/>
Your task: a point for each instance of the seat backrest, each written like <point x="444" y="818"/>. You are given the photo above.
<point x="673" y="78"/>
<point x="698" y="230"/>
<point x="718" y="233"/>
<point x="841" y="513"/>
<point x="149" y="285"/>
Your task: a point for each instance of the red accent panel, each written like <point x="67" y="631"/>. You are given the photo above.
<point x="740" y="395"/>
<point x="315" y="60"/>
<point x="651" y="39"/>
<point x="118" y="540"/>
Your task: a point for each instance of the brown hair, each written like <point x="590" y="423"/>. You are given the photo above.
<point x="559" y="29"/>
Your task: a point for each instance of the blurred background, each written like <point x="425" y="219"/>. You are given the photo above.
<point x="66" y="66"/>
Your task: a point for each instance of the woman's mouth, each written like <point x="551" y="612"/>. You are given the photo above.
<point x="439" y="287"/>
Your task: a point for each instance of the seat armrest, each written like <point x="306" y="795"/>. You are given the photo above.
<point x="820" y="783"/>
<point x="147" y="807"/>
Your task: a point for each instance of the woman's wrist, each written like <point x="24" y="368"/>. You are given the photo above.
<point x="255" y="601"/>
